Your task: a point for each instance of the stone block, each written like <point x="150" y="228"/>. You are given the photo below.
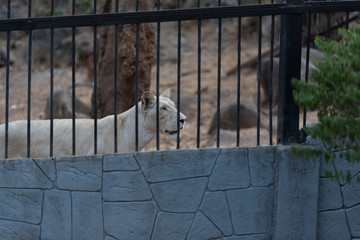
<point x="296" y="194"/>
<point x="351" y="192"/>
<point x="215" y="207"/>
<point x="324" y="166"/>
<point x="329" y="195"/>
<point x="47" y="165"/>
<point x="172" y="226"/>
<point x="109" y="238"/>
<point x="249" y="237"/>
<point x="129" y="220"/>
<point x="231" y="170"/>
<point x="261" y="164"/>
<point x="18" y="230"/>
<point x="56" y="222"/>
<point x="22" y="173"/>
<point x="342" y="164"/>
<point x="353" y="217"/>
<point x="87" y="215"/>
<point x="125" y="186"/>
<point x="251" y="210"/>
<point x="332" y="225"/>
<point x="21" y="205"/>
<point x="314" y="142"/>
<point x="202" y="228"/>
<point x="180" y="195"/>
<point x="120" y="162"/>
<point x="172" y="165"/>
<point x="79" y="173"/>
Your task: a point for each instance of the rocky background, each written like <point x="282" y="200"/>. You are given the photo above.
<point x="40" y="72"/>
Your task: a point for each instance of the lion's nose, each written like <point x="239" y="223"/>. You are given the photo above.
<point x="182" y="120"/>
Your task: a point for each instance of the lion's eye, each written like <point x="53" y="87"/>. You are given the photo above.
<point x="163" y="108"/>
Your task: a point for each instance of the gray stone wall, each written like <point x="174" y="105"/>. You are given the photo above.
<point x="230" y="194"/>
<point x="339" y="202"/>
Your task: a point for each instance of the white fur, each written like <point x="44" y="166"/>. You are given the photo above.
<point x="84" y="131"/>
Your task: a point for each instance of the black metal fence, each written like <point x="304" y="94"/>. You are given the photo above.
<point x="293" y="14"/>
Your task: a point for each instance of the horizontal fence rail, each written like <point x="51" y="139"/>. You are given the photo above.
<point x="292" y="37"/>
<point x="174" y="15"/>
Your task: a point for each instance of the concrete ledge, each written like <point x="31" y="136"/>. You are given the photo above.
<point x="296" y="196"/>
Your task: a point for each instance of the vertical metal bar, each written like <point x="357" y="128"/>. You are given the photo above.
<point x="271" y="78"/>
<point x="328" y="25"/>
<point x="238" y="82"/>
<point x="347" y="20"/>
<point x="307" y="60"/>
<point x="219" y="80"/>
<point x="259" y="79"/>
<point x="52" y="84"/>
<point x="178" y="80"/>
<point x="73" y="84"/>
<point x="7" y="84"/>
<point x="95" y="84"/>
<point x="290" y="65"/>
<point x="116" y="79"/>
<point x="29" y="86"/>
<point x="199" y="82"/>
<point x="137" y="84"/>
<point x="157" y="79"/>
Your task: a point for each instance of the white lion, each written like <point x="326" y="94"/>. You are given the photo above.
<point x="84" y="131"/>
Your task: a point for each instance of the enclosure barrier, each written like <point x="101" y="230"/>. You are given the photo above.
<point x="236" y="193"/>
<point x="292" y="15"/>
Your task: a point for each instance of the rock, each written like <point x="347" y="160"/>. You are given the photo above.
<point x="85" y="53"/>
<point x="228" y="116"/>
<point x="3" y="57"/>
<point x="14" y="13"/>
<point x="41" y="43"/>
<point x="265" y="73"/>
<point x="62" y="107"/>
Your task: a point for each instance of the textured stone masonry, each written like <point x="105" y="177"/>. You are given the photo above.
<point x="229" y="194"/>
<point x="338" y="202"/>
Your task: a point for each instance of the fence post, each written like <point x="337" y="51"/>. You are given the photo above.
<point x="290" y="67"/>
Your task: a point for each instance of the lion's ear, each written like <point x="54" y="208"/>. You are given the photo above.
<point x="166" y="93"/>
<point x="147" y="100"/>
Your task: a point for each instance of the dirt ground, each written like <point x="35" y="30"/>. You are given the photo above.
<point x="40" y="82"/>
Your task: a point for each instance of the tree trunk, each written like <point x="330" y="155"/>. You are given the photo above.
<point x="126" y="56"/>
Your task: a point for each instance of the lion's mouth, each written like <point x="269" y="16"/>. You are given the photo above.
<point x="171" y="132"/>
